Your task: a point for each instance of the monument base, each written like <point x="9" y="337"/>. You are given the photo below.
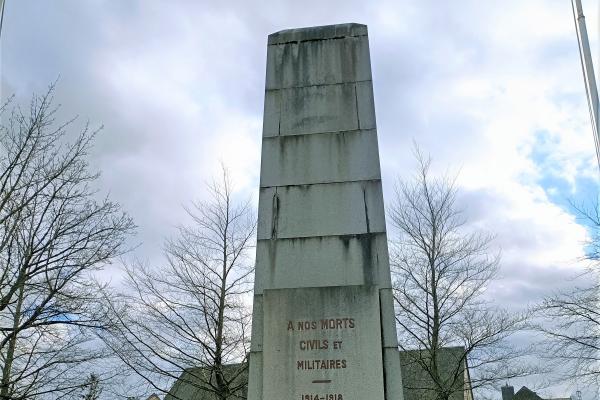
<point x="324" y="343"/>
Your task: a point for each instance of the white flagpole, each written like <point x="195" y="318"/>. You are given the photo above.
<point x="1" y="15"/>
<point x="588" y="70"/>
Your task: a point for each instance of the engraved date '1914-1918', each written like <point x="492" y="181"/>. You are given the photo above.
<point x="327" y="396"/>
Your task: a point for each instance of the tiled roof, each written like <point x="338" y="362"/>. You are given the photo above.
<point x="526" y="394"/>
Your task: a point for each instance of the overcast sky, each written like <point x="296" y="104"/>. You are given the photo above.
<point x="491" y="89"/>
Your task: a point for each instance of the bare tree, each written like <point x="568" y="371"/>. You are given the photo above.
<point x="92" y="388"/>
<point x="189" y="319"/>
<point x="571" y="319"/>
<point x="572" y="331"/>
<point x="53" y="236"/>
<point x="441" y="270"/>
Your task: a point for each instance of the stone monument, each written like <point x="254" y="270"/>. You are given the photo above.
<point x="323" y="326"/>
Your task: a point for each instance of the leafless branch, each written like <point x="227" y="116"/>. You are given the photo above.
<point x="188" y="319"/>
<point x="441" y="269"/>
<point x="54" y="234"/>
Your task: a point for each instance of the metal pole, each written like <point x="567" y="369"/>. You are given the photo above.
<point x="1" y="15"/>
<point x="588" y="70"/>
<point x="1" y="20"/>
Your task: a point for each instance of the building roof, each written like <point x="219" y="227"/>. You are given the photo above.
<point x="189" y="385"/>
<point x="417" y="382"/>
<point x="508" y="393"/>
<point x="526" y="394"/>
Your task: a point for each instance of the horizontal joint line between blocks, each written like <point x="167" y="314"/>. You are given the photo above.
<point x="374" y="180"/>
<point x="316" y="85"/>
<point x="287" y="134"/>
<point x="356" y="235"/>
<point x="351" y="131"/>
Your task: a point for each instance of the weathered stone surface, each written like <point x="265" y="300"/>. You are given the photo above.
<point x="346" y="208"/>
<point x="388" y="316"/>
<point x="272" y="111"/>
<point x="323" y="261"/>
<point x="255" y="376"/>
<point x="322" y="247"/>
<point x="366" y="105"/>
<point x="318" y="62"/>
<point x="312" y="328"/>
<point x="257" y="322"/>
<point x="393" y="378"/>
<point x="317" y="109"/>
<point x="324" y="158"/>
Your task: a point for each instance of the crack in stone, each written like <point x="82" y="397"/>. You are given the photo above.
<point x="366" y="210"/>
<point x="298" y="41"/>
<point x="275" y="216"/>
<point x="356" y="101"/>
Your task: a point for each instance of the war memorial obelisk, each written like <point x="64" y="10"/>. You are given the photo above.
<point x="323" y="320"/>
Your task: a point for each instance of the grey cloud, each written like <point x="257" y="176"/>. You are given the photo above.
<point x="192" y="67"/>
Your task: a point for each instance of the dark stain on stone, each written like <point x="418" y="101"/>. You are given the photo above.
<point x="381" y="330"/>
<point x="282" y="149"/>
<point x="366" y="245"/>
<point x="365" y="241"/>
<point x="272" y="261"/>
<point x="275" y="215"/>
<point x="346" y="240"/>
<point x="313" y="40"/>
<point x="356" y="103"/>
<point x="366" y="209"/>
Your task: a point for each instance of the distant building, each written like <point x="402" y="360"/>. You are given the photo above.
<point x="419" y="386"/>
<point x="189" y="386"/>
<point x="508" y="393"/>
<point x="416" y="383"/>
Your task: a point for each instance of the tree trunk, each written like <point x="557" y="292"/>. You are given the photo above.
<point x="223" y="390"/>
<point x="12" y="343"/>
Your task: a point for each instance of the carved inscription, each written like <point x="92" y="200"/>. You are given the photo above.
<point x="324" y="344"/>
<point x="323" y="327"/>
<point x="321" y="397"/>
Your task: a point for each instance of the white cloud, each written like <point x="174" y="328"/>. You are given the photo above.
<point x="180" y="85"/>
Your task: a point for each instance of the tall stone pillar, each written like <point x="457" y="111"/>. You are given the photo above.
<point x="323" y="326"/>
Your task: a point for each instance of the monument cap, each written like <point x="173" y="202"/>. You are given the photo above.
<point x="317" y="33"/>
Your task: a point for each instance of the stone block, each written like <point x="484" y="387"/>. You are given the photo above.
<point x="265" y="224"/>
<point x="272" y="113"/>
<point x="366" y="105"/>
<point x="321" y="210"/>
<point x="255" y="376"/>
<point x="322" y="341"/>
<point x="324" y="158"/>
<point x="318" y="62"/>
<point x="388" y="318"/>
<point x="394" y="390"/>
<point x="257" y="323"/>
<point x="322" y="261"/>
<point x="317" y="109"/>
